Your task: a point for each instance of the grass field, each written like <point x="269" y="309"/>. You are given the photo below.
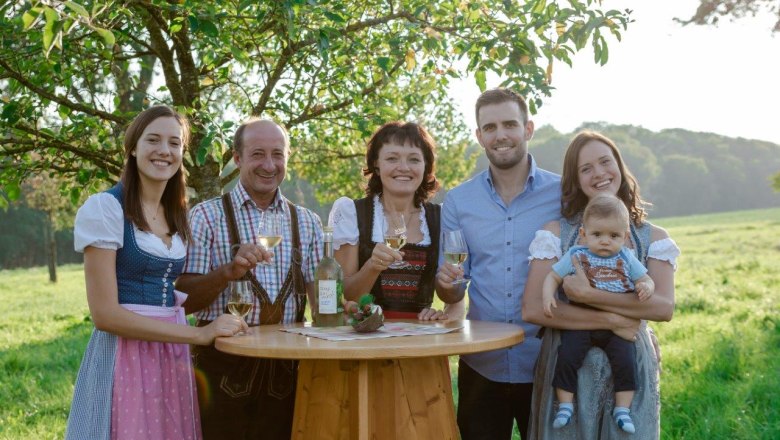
<point x="721" y="352"/>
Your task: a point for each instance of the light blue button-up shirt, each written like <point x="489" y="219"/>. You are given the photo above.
<point x="498" y="237"/>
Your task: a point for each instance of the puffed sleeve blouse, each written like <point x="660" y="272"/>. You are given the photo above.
<point x="547" y="245"/>
<point x="100" y="223"/>
<point x="343" y="220"/>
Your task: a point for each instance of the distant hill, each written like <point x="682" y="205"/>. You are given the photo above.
<point x="681" y="172"/>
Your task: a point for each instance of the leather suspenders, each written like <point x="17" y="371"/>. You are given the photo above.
<point x="273" y="312"/>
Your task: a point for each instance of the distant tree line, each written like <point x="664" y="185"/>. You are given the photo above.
<point x="681" y="172"/>
<point x="23" y="239"/>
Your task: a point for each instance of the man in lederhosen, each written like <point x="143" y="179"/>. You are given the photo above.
<point x="243" y="397"/>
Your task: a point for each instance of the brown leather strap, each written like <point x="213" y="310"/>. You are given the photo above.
<point x="273" y="313"/>
<point x="297" y="271"/>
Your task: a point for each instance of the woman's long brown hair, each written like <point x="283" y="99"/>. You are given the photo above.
<point x="174" y="198"/>
<point x="574" y="200"/>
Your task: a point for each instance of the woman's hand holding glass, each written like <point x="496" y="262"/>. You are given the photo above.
<point x="455" y="252"/>
<point x="224" y="325"/>
<point x="395" y="235"/>
<point x="383" y="256"/>
<point x="240" y="299"/>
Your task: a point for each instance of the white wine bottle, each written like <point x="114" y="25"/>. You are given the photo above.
<point x="329" y="300"/>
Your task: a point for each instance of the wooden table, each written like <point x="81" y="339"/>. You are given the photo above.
<point x="389" y="388"/>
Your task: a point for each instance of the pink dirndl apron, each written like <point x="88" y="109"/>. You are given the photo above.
<point x="154" y="394"/>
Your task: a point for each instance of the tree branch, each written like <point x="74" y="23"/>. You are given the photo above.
<point x="338" y="106"/>
<point x="59" y="99"/>
<point x="50" y="141"/>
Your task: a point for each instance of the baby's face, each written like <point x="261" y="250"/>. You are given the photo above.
<point x="604" y="236"/>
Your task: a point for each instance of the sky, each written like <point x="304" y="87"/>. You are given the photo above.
<point x="723" y="79"/>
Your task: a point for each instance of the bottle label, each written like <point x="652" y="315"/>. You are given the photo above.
<point x="327" y="296"/>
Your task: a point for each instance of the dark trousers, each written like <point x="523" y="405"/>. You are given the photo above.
<point x="575" y="345"/>
<point x="487" y="409"/>
<point x="242" y="397"/>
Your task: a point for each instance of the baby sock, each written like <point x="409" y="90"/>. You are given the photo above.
<point x="562" y="418"/>
<point x="623" y="420"/>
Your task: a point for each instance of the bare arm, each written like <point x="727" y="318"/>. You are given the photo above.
<point x="567" y="316"/>
<point x="109" y="316"/>
<point x="659" y="307"/>
<point x="456" y="310"/>
<point x="549" y="289"/>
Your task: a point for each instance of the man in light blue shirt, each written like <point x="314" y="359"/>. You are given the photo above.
<point x="499" y="211"/>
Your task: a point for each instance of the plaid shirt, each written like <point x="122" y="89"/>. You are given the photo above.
<point x="209" y="247"/>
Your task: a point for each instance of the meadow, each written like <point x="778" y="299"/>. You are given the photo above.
<point x="721" y="352"/>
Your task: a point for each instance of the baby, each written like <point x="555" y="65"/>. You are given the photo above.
<point x="612" y="267"/>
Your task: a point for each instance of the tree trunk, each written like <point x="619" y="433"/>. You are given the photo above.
<point x="204" y="179"/>
<point x="51" y="247"/>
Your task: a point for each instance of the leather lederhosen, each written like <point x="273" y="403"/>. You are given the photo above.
<point x="244" y="397"/>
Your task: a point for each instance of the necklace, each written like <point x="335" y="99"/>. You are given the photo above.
<point x="407" y="216"/>
<point x="146" y="212"/>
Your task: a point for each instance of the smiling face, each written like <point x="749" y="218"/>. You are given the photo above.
<point x="401" y="168"/>
<point x="503" y="134"/>
<point x="262" y="160"/>
<point x="604" y="236"/>
<point x="597" y="170"/>
<point x="159" y="150"/>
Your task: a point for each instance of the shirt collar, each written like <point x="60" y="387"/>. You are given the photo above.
<point x="529" y="182"/>
<point x="241" y="197"/>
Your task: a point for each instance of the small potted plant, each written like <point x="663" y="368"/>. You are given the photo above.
<point x="364" y="316"/>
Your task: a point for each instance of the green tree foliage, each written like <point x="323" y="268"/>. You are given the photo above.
<point x="73" y="73"/>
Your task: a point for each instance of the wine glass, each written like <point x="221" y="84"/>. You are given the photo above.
<point x="395" y="235"/>
<point x="455" y="251"/>
<point x="270" y="231"/>
<point x="241" y="299"/>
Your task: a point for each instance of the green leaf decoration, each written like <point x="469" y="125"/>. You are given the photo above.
<point x="365" y="300"/>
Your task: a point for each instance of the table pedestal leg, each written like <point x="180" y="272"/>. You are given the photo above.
<point x="375" y="399"/>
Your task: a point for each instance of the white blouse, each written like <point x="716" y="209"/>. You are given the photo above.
<point x="547" y="245"/>
<point x="100" y="223"/>
<point x="343" y="220"/>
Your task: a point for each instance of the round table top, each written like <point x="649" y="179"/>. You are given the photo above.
<point x="475" y="336"/>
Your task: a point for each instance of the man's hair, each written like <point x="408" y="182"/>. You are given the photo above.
<point x="605" y="206"/>
<point x="499" y="96"/>
<point x="238" y="138"/>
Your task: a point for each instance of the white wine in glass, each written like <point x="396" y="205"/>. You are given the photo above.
<point x="455" y="250"/>
<point x="395" y="235"/>
<point x="270" y="230"/>
<point x="241" y="299"/>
